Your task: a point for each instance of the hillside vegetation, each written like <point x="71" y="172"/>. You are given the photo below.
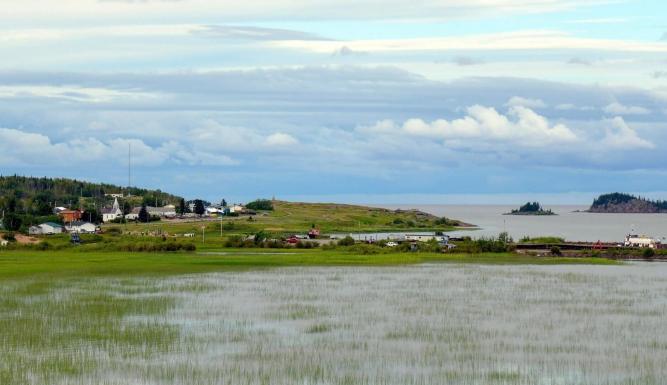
<point x="626" y="203"/>
<point x="30" y="200"/>
<point x="290" y="217"/>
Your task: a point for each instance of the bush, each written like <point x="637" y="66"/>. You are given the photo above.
<point x="306" y="245"/>
<point x="10" y="236"/>
<point x="555" y="250"/>
<point x="114" y="231"/>
<point x="648" y="253"/>
<point x="260" y="204"/>
<point x="347" y="241"/>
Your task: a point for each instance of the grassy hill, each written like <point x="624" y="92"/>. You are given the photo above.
<point x="294" y="217"/>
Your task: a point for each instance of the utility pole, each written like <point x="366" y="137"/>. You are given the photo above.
<point x="220" y="225"/>
<point x="129" y="167"/>
<point x="203" y="234"/>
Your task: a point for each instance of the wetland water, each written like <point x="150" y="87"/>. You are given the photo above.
<point x="422" y="324"/>
<point x="568" y="224"/>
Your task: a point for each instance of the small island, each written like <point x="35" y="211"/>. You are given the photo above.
<point x="622" y="203"/>
<point x="531" y="208"/>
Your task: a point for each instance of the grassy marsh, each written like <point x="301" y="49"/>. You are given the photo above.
<point x="418" y="324"/>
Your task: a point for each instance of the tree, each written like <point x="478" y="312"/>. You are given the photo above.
<point x="223" y="203"/>
<point x="12" y="222"/>
<point x="260" y="204"/>
<point x="143" y="214"/>
<point x="182" y="207"/>
<point x="199" y="207"/>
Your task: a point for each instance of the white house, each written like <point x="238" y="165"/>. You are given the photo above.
<point x="110" y="214"/>
<point x="120" y="195"/>
<point x="81" y="227"/>
<point x="641" y="241"/>
<point x="168" y="211"/>
<point x="3" y="242"/>
<point x="47" y="228"/>
<point x="426" y="238"/>
<point x="236" y="209"/>
<point x="212" y="211"/>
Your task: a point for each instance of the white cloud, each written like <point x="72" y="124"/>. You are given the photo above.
<point x="620" y="109"/>
<point x="621" y="136"/>
<point x="524" y="102"/>
<point x="283" y="9"/>
<point x="511" y="41"/>
<point x="18" y="147"/>
<point x="521" y="126"/>
<point x="572" y="107"/>
<point x="280" y="139"/>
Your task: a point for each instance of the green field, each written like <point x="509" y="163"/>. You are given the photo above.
<point x="67" y="262"/>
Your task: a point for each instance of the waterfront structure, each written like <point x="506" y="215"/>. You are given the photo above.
<point x="641" y="241"/>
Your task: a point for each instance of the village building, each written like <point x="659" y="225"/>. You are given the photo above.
<point x="70" y="215"/>
<point x="47" y="228"/>
<point x="443" y="239"/>
<point x="168" y="211"/>
<point x="81" y="227"/>
<point x="238" y="209"/>
<point x="641" y="241"/>
<point x="111" y="214"/>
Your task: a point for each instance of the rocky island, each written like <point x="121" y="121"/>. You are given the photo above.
<point x="529" y="208"/>
<point x="626" y="203"/>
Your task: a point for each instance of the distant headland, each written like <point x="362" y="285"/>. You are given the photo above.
<point x="531" y="208"/>
<point x="626" y="203"/>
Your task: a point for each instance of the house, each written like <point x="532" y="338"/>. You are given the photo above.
<point x="120" y="195"/>
<point x="110" y="214"/>
<point x="4" y="242"/>
<point x="236" y="209"/>
<point x="47" y="228"/>
<point x="70" y="215"/>
<point x="641" y="241"/>
<point x="212" y="211"/>
<point x="443" y="239"/>
<point x="81" y="227"/>
<point x="168" y="211"/>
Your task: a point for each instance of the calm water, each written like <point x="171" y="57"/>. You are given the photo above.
<point x="571" y="225"/>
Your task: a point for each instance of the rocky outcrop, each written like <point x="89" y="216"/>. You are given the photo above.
<point x="624" y="203"/>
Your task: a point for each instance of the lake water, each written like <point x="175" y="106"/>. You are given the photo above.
<point x="569" y="224"/>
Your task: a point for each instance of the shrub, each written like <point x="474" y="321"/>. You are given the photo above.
<point x="114" y="231"/>
<point x="307" y="245"/>
<point x="10" y="236"/>
<point x="347" y="241"/>
<point x="555" y="250"/>
<point x="648" y="253"/>
<point x="234" y="241"/>
<point x="260" y="204"/>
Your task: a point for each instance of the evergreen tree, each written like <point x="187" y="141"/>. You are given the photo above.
<point x="199" y="207"/>
<point x="143" y="214"/>
<point x="182" y="207"/>
<point x="223" y="203"/>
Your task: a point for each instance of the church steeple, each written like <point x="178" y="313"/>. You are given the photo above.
<point x="116" y="206"/>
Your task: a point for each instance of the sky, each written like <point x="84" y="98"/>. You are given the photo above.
<point x="391" y="101"/>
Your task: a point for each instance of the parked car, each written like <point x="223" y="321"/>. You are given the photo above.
<point x="391" y="244"/>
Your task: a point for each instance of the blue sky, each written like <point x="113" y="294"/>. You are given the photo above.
<point x="343" y="99"/>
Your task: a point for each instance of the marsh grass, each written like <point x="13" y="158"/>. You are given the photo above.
<point x="420" y="324"/>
